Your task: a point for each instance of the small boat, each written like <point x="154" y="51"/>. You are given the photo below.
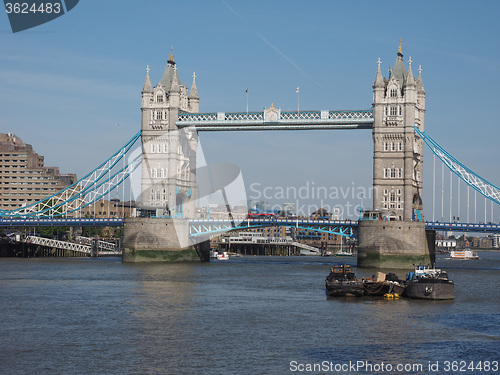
<point x="223" y="256"/>
<point x="429" y="283"/>
<point x="463" y="254"/>
<point x="382" y="284"/>
<point x="343" y="253"/>
<point x="342" y="282"/>
<point x="214" y="254"/>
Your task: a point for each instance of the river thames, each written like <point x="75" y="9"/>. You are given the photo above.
<point x="249" y="315"/>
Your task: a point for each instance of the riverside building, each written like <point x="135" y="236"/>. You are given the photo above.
<point x="23" y="177"/>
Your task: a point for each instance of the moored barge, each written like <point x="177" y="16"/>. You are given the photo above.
<point x="341" y="282"/>
<point x="429" y="283"/>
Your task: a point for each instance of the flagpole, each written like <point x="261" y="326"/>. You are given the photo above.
<point x="298" y="98"/>
<point x="247" y="101"/>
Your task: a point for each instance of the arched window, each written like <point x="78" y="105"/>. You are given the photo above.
<point x="392" y="199"/>
<point x="394" y="93"/>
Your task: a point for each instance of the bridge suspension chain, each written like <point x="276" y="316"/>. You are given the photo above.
<point x="83" y="192"/>
<point x="481" y="185"/>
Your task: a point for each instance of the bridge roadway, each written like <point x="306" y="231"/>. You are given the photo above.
<point x="211" y="226"/>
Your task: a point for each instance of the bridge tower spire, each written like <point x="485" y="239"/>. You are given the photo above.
<point x="398" y="105"/>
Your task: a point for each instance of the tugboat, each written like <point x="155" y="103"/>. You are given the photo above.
<point x="382" y="284"/>
<point x="429" y="283"/>
<point x="341" y="282"/>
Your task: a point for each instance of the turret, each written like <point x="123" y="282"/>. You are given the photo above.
<point x="410" y="86"/>
<point x="420" y="89"/>
<point x="193" y="98"/>
<point x="147" y="99"/>
<point x="175" y="91"/>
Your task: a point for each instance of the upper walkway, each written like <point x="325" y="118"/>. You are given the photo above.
<point x="275" y="119"/>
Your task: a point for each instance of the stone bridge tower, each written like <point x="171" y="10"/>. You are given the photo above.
<point x="398" y="105"/>
<point x="400" y="239"/>
<point x="169" y="154"/>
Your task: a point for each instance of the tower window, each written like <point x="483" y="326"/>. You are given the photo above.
<point x="394" y="93"/>
<point x="394" y="110"/>
<point x="159" y="98"/>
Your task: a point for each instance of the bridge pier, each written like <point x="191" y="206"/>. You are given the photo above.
<point x="394" y="244"/>
<point x="161" y="240"/>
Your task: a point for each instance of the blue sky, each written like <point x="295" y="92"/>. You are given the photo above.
<point x="71" y="87"/>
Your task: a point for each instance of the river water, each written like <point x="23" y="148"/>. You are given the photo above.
<point x="249" y="315"/>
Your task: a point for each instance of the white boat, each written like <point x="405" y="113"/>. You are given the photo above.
<point x="214" y="254"/>
<point x="463" y="254"/>
<point x="223" y="256"/>
<point x="344" y="253"/>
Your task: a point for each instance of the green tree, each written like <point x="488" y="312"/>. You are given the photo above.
<point x="52" y="232"/>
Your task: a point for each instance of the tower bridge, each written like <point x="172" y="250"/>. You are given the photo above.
<point x="170" y="181"/>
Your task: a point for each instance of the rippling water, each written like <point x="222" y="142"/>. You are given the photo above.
<point x="250" y="315"/>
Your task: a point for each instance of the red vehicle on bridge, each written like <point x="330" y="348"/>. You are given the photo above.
<point x="260" y="215"/>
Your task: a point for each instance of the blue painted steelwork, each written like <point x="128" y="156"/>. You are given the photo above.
<point x="60" y="222"/>
<point x="481" y="185"/>
<point x="346" y="228"/>
<point x="463" y="227"/>
<point x="286" y="120"/>
<point x="85" y="191"/>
